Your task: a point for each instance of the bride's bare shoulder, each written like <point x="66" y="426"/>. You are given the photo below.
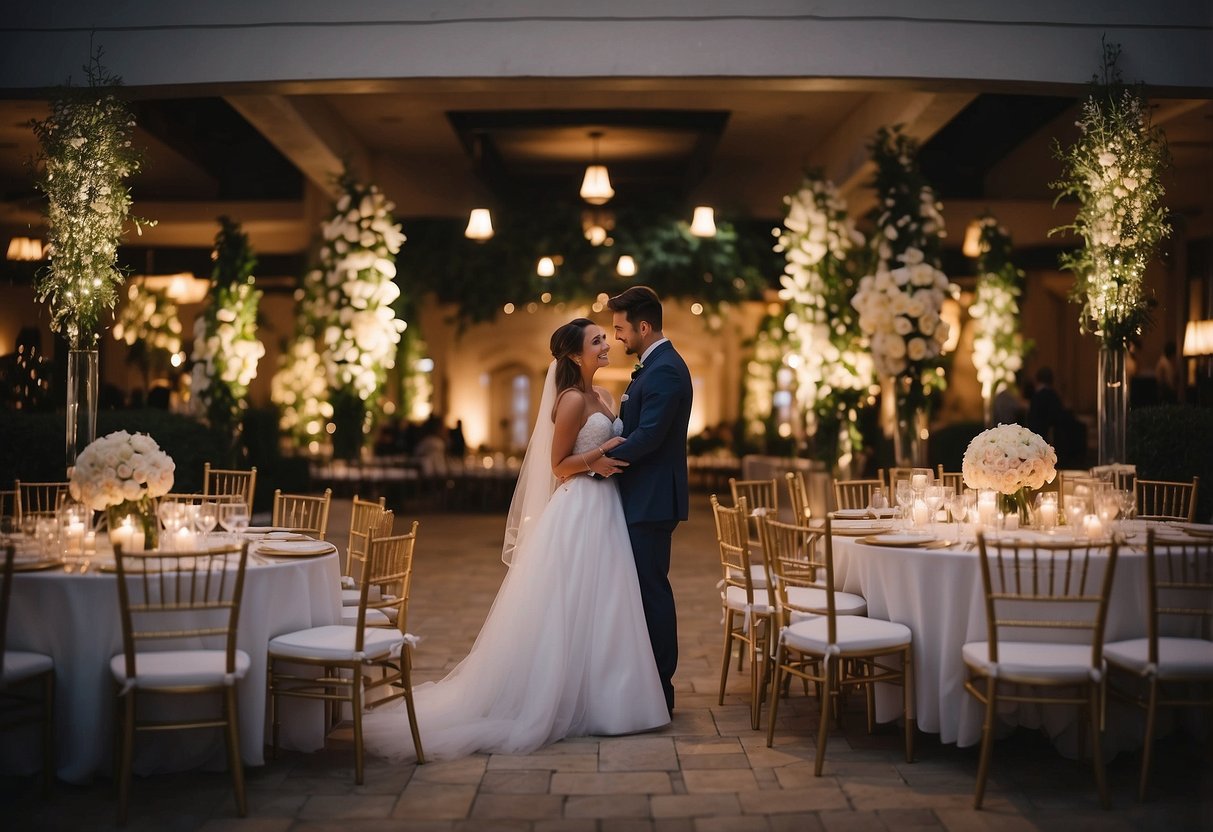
<point x="606" y="397"/>
<point x="569" y="401"/>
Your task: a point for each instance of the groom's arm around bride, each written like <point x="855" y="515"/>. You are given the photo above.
<point x="655" y="413"/>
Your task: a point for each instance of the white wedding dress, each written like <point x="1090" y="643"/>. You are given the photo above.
<point x="564" y="651"/>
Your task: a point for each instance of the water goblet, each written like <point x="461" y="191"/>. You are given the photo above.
<point x="1076" y="510"/>
<point x="905" y="498"/>
<point x="207" y="517"/>
<point x="234" y="518"/>
<point x="957" y="505"/>
<point x="933" y="496"/>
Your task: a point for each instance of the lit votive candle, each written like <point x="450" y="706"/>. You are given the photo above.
<point x="919" y="513"/>
<point x="90" y="543"/>
<point x="987" y="508"/>
<point x="1092" y="526"/>
<point x="1048" y="514"/>
<point x="73" y="537"/>
<point x="184" y="541"/>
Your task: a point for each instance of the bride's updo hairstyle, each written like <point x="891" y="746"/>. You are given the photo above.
<point x="567" y="342"/>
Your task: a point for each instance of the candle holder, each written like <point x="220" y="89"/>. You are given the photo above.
<point x="1046" y="511"/>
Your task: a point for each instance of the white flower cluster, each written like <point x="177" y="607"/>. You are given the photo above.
<point x="229" y="352"/>
<point x="816" y="238"/>
<point x="897" y="233"/>
<point x="300" y="389"/>
<point x="899" y="311"/>
<point x="1008" y="458"/>
<point x="149" y="316"/>
<point x="997" y="359"/>
<point x="120" y="467"/>
<point x="354" y="290"/>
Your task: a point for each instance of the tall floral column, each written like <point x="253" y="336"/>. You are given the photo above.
<point x="834" y="372"/>
<point x="998" y="345"/>
<point x="1114" y="170"/>
<point x="84" y="160"/>
<point x="149" y="323"/>
<point x="359" y="331"/>
<point x="226" y="350"/>
<point x="899" y="304"/>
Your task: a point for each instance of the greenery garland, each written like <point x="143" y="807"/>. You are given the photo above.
<point x="899" y="304"/>
<point x="226" y="350"/>
<point x="84" y="160"/>
<point x="1115" y="172"/>
<point x="765" y="362"/>
<point x="150" y="320"/>
<point x="998" y="344"/>
<point x="833" y="369"/>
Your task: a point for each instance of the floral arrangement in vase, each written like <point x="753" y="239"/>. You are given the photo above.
<point x="85" y="158"/>
<point x="121" y="473"/>
<point x="1011" y="460"/>
<point x="226" y="350"/>
<point x="1115" y="171"/>
<point x="998" y="344"/>
<point x="899" y="304"/>
<point x="834" y="371"/>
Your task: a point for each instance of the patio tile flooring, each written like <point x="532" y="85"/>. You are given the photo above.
<point x="706" y="772"/>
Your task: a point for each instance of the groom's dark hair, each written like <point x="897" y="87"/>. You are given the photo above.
<point x="639" y="303"/>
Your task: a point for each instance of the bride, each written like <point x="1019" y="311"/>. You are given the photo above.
<point x="565" y="650"/>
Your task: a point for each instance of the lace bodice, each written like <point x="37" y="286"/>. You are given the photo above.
<point x="596" y="430"/>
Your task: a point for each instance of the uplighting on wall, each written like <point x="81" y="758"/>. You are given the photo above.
<point x="596" y="185"/>
<point x="480" y="225"/>
<point x="703" y="224"/>
<point x="1198" y="338"/>
<point x="972" y="244"/>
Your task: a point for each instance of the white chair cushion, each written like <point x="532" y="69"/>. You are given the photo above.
<point x="180" y="668"/>
<point x="812" y="598"/>
<point x="336" y="642"/>
<point x="374" y="618"/>
<point x="19" y="666"/>
<point x="351" y="596"/>
<point x="855" y="633"/>
<point x="734" y="599"/>
<point x="1178" y="658"/>
<point x="1029" y="662"/>
<point x="758" y="575"/>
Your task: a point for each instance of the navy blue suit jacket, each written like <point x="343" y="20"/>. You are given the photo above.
<point x="655" y="417"/>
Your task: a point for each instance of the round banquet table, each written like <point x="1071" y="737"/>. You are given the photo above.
<point x="74" y="618"/>
<point x="938" y="594"/>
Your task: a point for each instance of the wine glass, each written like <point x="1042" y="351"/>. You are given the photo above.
<point x="905" y="497"/>
<point x="234" y="518"/>
<point x="957" y="509"/>
<point x="207" y="517"/>
<point x="933" y="497"/>
<point x="1076" y="510"/>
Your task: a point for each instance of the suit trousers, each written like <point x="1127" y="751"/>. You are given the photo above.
<point x="651" y="548"/>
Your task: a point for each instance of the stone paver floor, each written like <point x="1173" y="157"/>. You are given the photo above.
<point x="707" y="772"/>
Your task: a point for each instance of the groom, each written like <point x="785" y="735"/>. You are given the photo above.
<point x="655" y="411"/>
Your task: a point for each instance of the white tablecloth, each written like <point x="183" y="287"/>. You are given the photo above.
<point x="74" y="619"/>
<point x="937" y="593"/>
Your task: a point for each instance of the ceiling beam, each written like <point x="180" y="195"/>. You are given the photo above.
<point x="843" y="155"/>
<point x="306" y="130"/>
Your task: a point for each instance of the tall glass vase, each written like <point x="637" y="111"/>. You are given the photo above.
<point x="910" y="434"/>
<point x="1113" y="403"/>
<point x="81" y="403"/>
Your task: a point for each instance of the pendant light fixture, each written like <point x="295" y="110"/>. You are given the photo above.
<point x="626" y="266"/>
<point x="704" y="222"/>
<point x="546" y="267"/>
<point x="596" y="185"/>
<point x="480" y="225"/>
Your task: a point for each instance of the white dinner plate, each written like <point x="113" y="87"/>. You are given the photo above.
<point x="899" y="539"/>
<point x="853" y="528"/>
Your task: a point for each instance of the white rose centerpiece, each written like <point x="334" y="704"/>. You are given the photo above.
<point x="1011" y="460"/>
<point x="120" y="473"/>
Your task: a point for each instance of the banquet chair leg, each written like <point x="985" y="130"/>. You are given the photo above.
<point x="823" y="727"/>
<point x="987" y="740"/>
<point x="48" y="732"/>
<point x="869" y="690"/>
<point x="1147" y="748"/>
<point x="1101" y="780"/>
<point x="755" y="681"/>
<point x="233" y="749"/>
<point x="356" y="706"/>
<point x="728" y="653"/>
<point x="779" y="659"/>
<point x="907" y="680"/>
<point x="273" y="713"/>
<point x="406" y="682"/>
<point x="126" y="754"/>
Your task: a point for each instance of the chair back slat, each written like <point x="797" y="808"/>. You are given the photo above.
<point x="230" y="481"/>
<point x="1046" y="586"/>
<point x="180" y="596"/>
<point x="793" y="557"/>
<point x="39" y="497"/>
<point x="303" y="512"/>
<point x="757" y="493"/>
<point x="952" y="479"/>
<point x="364" y="516"/>
<point x="1179" y="588"/>
<point x="798" y="491"/>
<point x="851" y="494"/>
<point x="732" y="539"/>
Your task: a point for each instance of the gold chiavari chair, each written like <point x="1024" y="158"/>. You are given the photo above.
<point x="304" y="513"/>
<point x="382" y="526"/>
<point x="757" y="493"/>
<point x="852" y="494"/>
<point x="746" y="608"/>
<point x="216" y="481"/>
<point x="344" y="652"/>
<point x="1161" y="500"/>
<point x="950" y="479"/>
<point x="1046" y="589"/>
<point x="819" y="648"/>
<point x="895" y="475"/>
<point x="365" y="516"/>
<point x="1167" y="670"/>
<point x="39" y="497"/>
<point x="177" y="598"/>
<point x="20" y="673"/>
<point x="798" y="490"/>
